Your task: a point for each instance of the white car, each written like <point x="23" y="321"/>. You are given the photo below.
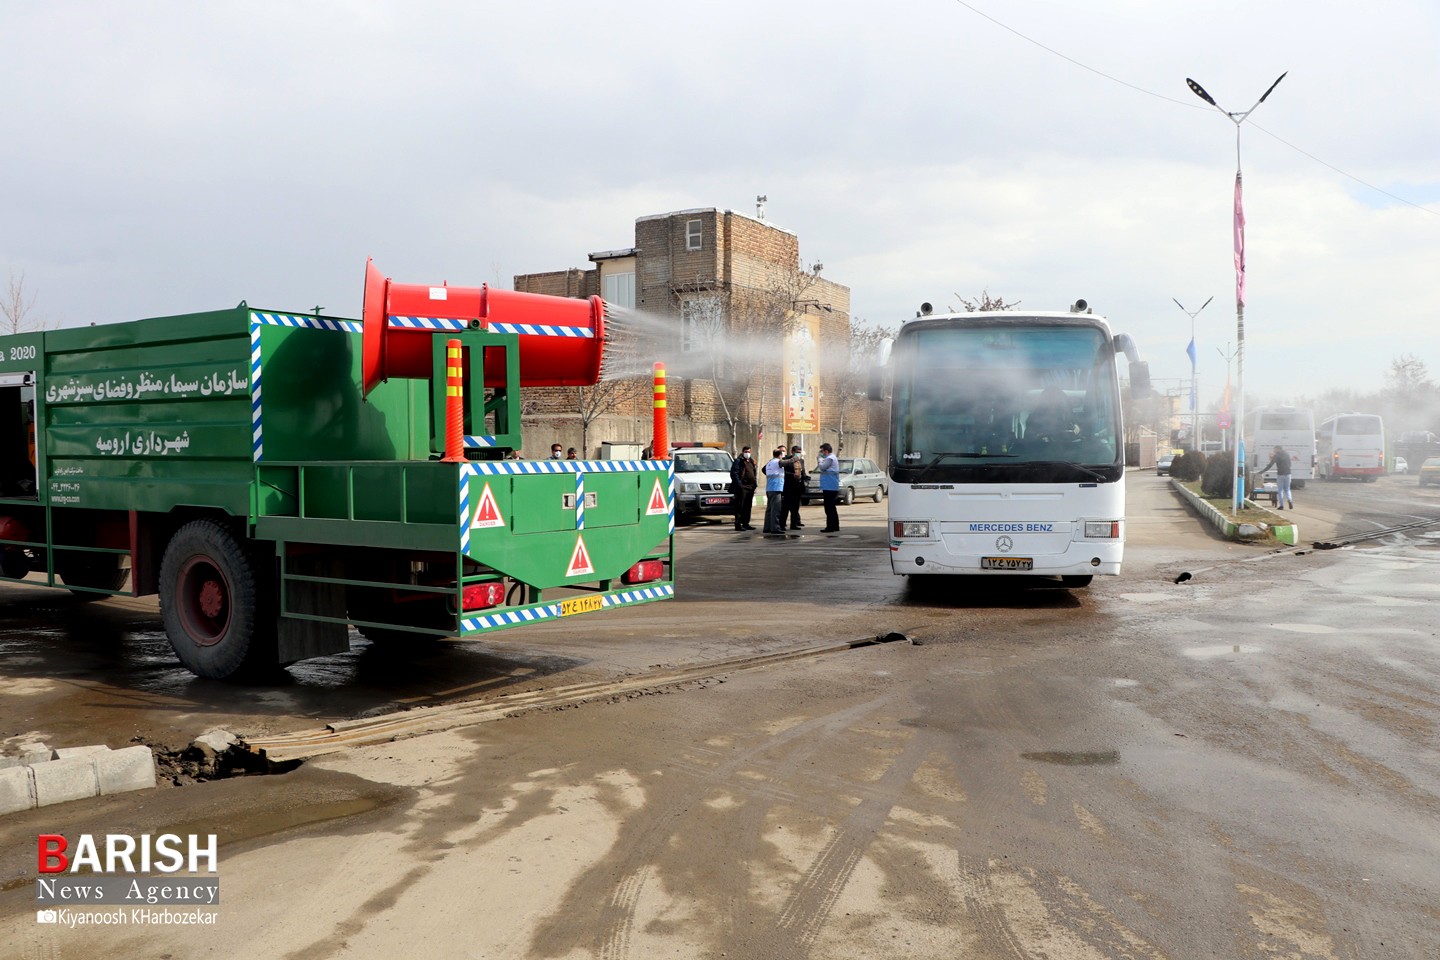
<point x="1401" y="466"/>
<point x="702" y="482"/>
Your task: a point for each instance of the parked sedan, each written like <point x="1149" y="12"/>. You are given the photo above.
<point x="859" y="477"/>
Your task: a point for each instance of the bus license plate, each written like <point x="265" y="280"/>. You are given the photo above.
<point x="1007" y="563"/>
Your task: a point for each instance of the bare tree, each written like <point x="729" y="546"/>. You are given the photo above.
<point x="986" y="303"/>
<point x="736" y="344"/>
<point x="768" y="314"/>
<point x="848" y="365"/>
<point x="17" y="307"/>
<point x="620" y="387"/>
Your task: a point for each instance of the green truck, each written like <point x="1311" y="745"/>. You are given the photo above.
<point x="279" y="477"/>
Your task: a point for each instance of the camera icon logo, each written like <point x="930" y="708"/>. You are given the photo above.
<point x="47" y="916"/>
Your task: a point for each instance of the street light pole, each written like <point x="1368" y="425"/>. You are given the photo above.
<point x="1194" y="387"/>
<point x="1229" y="356"/>
<point x="1238" y="118"/>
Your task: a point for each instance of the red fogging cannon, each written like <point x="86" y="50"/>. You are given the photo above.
<point x="562" y="340"/>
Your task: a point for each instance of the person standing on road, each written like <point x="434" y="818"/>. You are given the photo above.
<point x="795" y="480"/>
<point x="775" y="492"/>
<point x="829" y="469"/>
<point x="742" y="486"/>
<point x="1280" y="460"/>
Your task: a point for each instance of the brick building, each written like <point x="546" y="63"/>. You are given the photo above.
<point x="714" y="294"/>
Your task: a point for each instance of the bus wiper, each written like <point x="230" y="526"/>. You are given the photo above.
<point x="962" y="455"/>
<point x="1070" y="463"/>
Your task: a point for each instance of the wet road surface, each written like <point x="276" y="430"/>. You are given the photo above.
<point x="1238" y="766"/>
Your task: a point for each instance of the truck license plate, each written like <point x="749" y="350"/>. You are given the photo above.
<point x="716" y="501"/>
<point x="1007" y="563"/>
<point x="581" y="605"/>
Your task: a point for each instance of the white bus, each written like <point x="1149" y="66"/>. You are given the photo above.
<point x="1288" y="427"/>
<point x="1006" y="446"/>
<point x="1351" y="445"/>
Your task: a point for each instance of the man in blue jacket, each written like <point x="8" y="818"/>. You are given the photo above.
<point x="829" y="469"/>
<point x="775" y="470"/>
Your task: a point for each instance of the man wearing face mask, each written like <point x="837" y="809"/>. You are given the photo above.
<point x="775" y="469"/>
<point x="742" y="485"/>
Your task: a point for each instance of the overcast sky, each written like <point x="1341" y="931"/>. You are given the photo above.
<point x="184" y="156"/>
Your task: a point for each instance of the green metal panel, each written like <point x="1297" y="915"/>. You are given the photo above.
<point x="520" y="523"/>
<point x="149" y="415"/>
<point x="312" y="408"/>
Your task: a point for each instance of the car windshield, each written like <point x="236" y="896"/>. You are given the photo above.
<point x="717" y="462"/>
<point x="847" y="466"/>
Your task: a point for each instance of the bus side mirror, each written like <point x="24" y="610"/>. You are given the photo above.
<point x="1139" y="379"/>
<point x="875" y="384"/>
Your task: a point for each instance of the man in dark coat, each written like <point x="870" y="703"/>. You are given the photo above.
<point x="742" y="486"/>
<point x="795" y="480"/>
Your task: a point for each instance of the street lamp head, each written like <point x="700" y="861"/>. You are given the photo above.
<point x="1272" y="87"/>
<point x="1199" y="91"/>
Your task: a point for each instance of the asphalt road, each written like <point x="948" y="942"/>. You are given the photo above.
<point x="1237" y="766"/>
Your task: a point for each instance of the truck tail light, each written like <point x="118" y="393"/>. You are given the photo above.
<point x="644" y="572"/>
<point x="478" y="596"/>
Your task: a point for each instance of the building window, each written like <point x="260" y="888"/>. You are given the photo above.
<point x="692" y="235"/>
<point x="702" y="324"/>
<point x="620" y="289"/>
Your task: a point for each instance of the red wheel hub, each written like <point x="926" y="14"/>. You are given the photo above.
<point x="211" y="599"/>
<point x="202" y="598"/>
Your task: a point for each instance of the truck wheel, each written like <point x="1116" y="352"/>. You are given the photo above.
<point x="101" y="571"/>
<point x="848" y="497"/>
<point x="210" y="599"/>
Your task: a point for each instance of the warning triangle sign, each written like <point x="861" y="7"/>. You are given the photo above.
<point x="580" y="559"/>
<point x="658" y="505"/>
<point x="487" y="513"/>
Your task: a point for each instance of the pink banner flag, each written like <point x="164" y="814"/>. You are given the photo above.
<point x="1239" y="246"/>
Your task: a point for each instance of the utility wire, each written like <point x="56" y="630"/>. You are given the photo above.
<point x="1195" y="106"/>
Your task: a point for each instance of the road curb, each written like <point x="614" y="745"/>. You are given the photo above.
<point x="75" y="773"/>
<point x="1288" y="533"/>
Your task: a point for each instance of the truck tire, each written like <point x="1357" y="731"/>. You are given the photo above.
<point x="211" y="600"/>
<point x="101" y="571"/>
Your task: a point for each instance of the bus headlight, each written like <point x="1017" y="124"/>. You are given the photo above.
<point x="912" y="529"/>
<point x="1102" y="529"/>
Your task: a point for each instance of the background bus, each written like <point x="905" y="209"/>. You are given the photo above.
<point x="1006" y="452"/>
<point x="1351" y="445"/>
<point x="1288" y="427"/>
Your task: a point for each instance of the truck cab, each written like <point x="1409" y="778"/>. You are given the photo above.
<point x="702" y="482"/>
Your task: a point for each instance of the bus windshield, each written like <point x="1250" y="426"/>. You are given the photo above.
<point x="1014" y="400"/>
